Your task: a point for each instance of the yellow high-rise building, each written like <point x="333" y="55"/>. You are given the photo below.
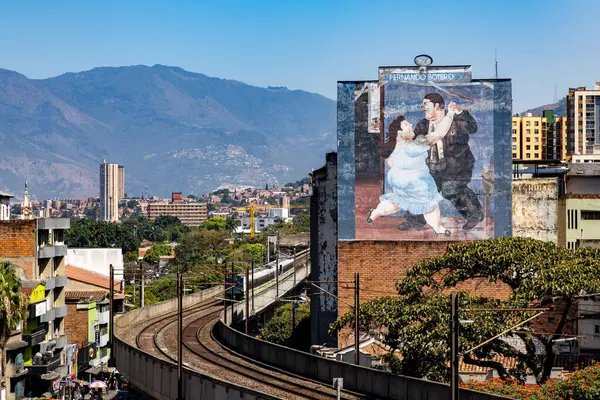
<point x="539" y="138"/>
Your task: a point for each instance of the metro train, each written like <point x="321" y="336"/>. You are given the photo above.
<point x="263" y="275"/>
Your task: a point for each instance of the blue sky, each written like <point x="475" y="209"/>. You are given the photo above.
<point x="310" y="45"/>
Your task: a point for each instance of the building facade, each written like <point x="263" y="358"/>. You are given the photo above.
<point x="539" y="138"/>
<point x="121" y="182"/>
<point x="110" y="188"/>
<point x="89" y="321"/>
<point x="190" y="214"/>
<point x="5" y="206"/>
<point x="583" y="113"/>
<point x="36" y="247"/>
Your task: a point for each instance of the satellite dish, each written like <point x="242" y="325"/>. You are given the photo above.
<point x="423" y="60"/>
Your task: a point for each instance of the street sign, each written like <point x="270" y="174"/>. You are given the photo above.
<point x="338" y="383"/>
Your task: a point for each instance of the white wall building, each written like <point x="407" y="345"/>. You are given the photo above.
<point x="96" y="260"/>
<point x="5" y="206"/>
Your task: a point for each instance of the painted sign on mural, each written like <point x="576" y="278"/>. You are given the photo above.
<point x="426" y="156"/>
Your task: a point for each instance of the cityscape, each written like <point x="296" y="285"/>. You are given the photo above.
<point x="422" y="226"/>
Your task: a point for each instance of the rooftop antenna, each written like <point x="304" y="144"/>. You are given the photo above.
<point x="496" y="61"/>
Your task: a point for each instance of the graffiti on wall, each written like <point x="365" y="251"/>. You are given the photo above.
<point x="419" y="160"/>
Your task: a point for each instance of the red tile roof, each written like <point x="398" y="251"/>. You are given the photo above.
<point x="91" y="278"/>
<point x="97" y="295"/>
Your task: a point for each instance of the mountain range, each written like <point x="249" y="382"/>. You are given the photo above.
<point x="173" y="130"/>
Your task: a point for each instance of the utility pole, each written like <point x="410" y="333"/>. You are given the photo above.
<point x="294" y="268"/>
<point x="111" y="325"/>
<point x="454" y="378"/>
<point x="180" y="336"/>
<point x="225" y="297"/>
<point x="277" y="275"/>
<point x="142" y="289"/>
<point x="232" y="289"/>
<point x="253" y="279"/>
<point x="247" y="295"/>
<point x="268" y="256"/>
<point x="356" y="317"/>
<point x="294" y="306"/>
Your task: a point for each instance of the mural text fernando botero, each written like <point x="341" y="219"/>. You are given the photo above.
<point x="424" y="154"/>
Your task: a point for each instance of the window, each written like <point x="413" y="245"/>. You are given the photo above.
<point x="536" y="131"/>
<point x="536" y="123"/>
<point x="514" y="155"/>
<point x="528" y="131"/>
<point x="514" y="123"/>
<point x="590" y="215"/>
<point x="514" y="139"/>
<point x="527" y="155"/>
<point x="536" y="139"/>
<point x="514" y="147"/>
<point x="527" y="123"/>
<point x="536" y="147"/>
<point x="514" y="131"/>
<point x="527" y="147"/>
<point x="596" y="329"/>
<point x="528" y="139"/>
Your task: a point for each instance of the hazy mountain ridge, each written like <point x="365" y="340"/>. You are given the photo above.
<point x="172" y="129"/>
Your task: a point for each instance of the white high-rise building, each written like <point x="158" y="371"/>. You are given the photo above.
<point x="110" y="187"/>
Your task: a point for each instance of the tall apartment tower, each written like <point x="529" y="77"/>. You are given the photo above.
<point x="109" y="191"/>
<point x="121" y="182"/>
<point x="539" y="138"/>
<point x="583" y="113"/>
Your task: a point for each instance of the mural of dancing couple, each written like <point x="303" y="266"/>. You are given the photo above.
<point x="424" y="156"/>
<point x="429" y="162"/>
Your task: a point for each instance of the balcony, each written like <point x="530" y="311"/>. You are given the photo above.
<point x="44" y="364"/>
<point x="36" y="336"/>
<point x="37" y="309"/>
<point x="60" y="312"/>
<point x="49" y="316"/>
<point x="50" y="283"/>
<point x="103" y="317"/>
<point x="61" y="341"/>
<point x="15" y="370"/>
<point x="61" y="281"/>
<point x="46" y="252"/>
<point x="54" y="223"/>
<point x="60" y="250"/>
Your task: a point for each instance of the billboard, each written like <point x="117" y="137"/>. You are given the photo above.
<point x="424" y="154"/>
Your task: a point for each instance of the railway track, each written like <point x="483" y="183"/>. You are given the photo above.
<point x="206" y="355"/>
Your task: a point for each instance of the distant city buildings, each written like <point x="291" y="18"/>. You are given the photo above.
<point x="583" y="113"/>
<point x="190" y="214"/>
<point x="539" y="138"/>
<point x="111" y="190"/>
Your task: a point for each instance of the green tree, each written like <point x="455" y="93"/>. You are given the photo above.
<point x="279" y="328"/>
<point x="95" y="234"/>
<point x="230" y="224"/>
<point x="302" y="221"/>
<point x="200" y="248"/>
<point x="214" y="224"/>
<point x="13" y="304"/>
<point x="156" y="251"/>
<point x="540" y="275"/>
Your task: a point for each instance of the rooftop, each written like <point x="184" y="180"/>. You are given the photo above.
<point x="91" y="295"/>
<point x="5" y="194"/>
<point x="584" y="169"/>
<point x="91" y="278"/>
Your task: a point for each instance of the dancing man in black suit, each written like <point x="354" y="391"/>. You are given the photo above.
<point x="450" y="162"/>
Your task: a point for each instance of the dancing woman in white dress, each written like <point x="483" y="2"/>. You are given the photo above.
<point x="412" y="187"/>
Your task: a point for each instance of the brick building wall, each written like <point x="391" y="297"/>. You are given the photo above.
<point x="76" y="325"/>
<point x="382" y="264"/>
<point x="17" y="244"/>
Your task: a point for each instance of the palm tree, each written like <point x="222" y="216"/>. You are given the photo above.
<point x="12" y="305"/>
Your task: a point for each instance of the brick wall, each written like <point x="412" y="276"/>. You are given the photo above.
<point x="76" y="325"/>
<point x="381" y="264"/>
<point x="17" y="244"/>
